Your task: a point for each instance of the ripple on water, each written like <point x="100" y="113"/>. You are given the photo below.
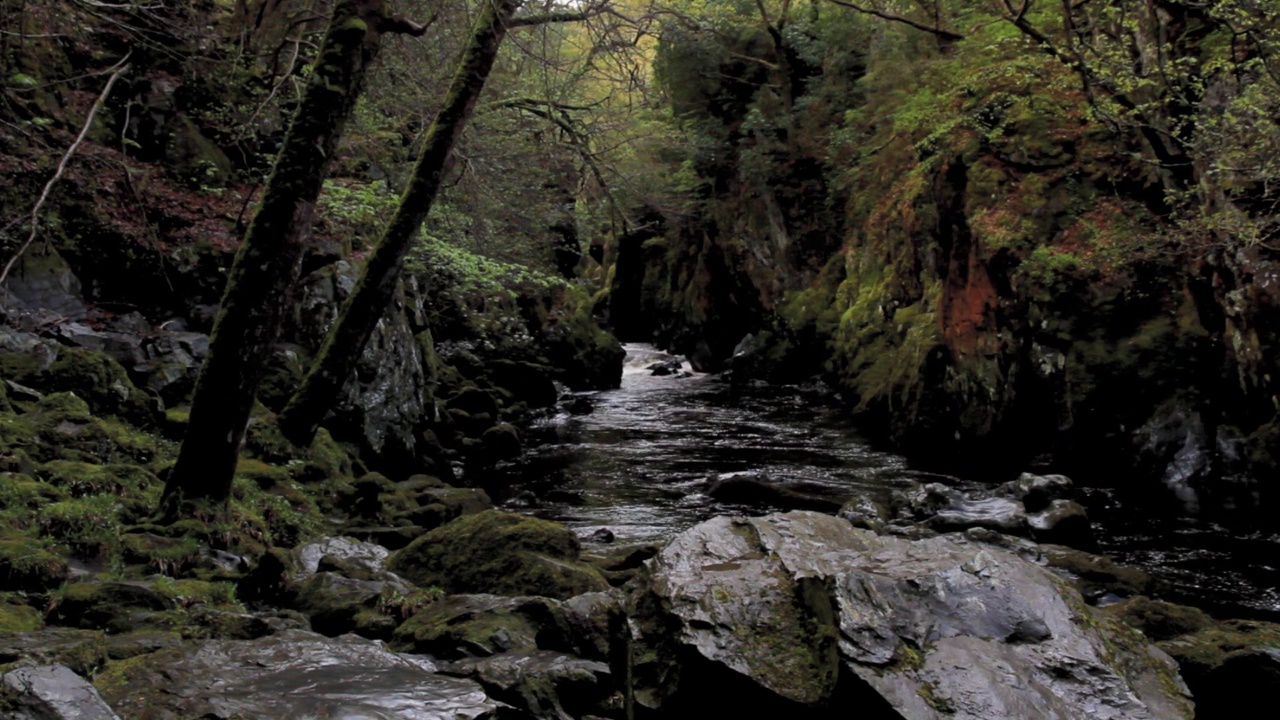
<point x="639" y="463"/>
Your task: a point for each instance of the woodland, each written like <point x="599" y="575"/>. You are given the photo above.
<point x="299" y="297"/>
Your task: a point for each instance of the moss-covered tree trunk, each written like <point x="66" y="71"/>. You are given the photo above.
<point x="376" y="285"/>
<point x="268" y="263"/>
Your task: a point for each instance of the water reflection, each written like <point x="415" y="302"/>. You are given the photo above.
<point x="640" y="462"/>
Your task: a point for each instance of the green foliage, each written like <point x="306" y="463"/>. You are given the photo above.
<point x="355" y="212"/>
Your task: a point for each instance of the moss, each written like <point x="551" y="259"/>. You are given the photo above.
<point x="1200" y="652"/>
<point x="88" y="526"/>
<point x="21" y="495"/>
<point x="27" y="564"/>
<point x="19" y="618"/>
<point x="169" y="556"/>
<point x="60" y="427"/>
<point x="500" y="553"/>
<point x="1157" y="619"/>
<point x="80" y="478"/>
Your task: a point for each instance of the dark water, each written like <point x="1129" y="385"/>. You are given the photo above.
<point x="639" y="464"/>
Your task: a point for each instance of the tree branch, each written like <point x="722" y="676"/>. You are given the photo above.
<point x="557" y="17"/>
<point x="936" y="31"/>
<point x="121" y="68"/>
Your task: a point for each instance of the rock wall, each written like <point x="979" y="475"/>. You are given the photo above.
<point x="988" y="277"/>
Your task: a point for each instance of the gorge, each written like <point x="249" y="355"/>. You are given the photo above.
<point x="912" y="359"/>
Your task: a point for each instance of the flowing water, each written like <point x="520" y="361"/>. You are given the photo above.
<point x="640" y="462"/>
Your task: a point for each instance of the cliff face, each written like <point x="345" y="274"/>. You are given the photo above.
<point x="987" y="272"/>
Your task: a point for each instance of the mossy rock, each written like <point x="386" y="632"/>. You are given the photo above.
<point x="21" y="494"/>
<point x="119" y="607"/>
<point x="19" y="618"/>
<point x="501" y="442"/>
<point x="1231" y="665"/>
<point x="167" y="555"/>
<point x="104" y="384"/>
<point x="84" y="651"/>
<point x="462" y="626"/>
<point x="474" y="401"/>
<point x="500" y="553"/>
<point x="27" y="565"/>
<point x="79" y="479"/>
<point x="1159" y="620"/>
<point x="325" y="459"/>
<point x="61" y="427"/>
<point x="108" y="605"/>
<point x="1096" y="575"/>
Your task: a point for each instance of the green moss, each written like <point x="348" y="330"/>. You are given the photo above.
<point x="27" y="564"/>
<point x="88" y="526"/>
<point x="1159" y="620"/>
<point x="500" y="553"/>
<point x="80" y="478"/>
<point x="19" y="618"/>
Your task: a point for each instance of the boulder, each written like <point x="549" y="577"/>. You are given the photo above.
<point x="84" y="651"/>
<point x="1063" y="522"/>
<point x="546" y="685"/>
<point x="50" y="692"/>
<point x="295" y="674"/>
<point x="1035" y="492"/>
<point x="802" y="615"/>
<point x="591" y="626"/>
<point x="992" y="513"/>
<point x="500" y="553"/>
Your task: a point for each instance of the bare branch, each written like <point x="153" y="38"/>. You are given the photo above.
<point x="558" y="17"/>
<point x="936" y="31"/>
<point x="121" y="67"/>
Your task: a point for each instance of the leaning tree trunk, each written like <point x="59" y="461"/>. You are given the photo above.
<point x="268" y="264"/>
<point x="376" y="286"/>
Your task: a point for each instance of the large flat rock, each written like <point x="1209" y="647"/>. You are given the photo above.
<point x="292" y="675"/>
<point x="813" y="613"/>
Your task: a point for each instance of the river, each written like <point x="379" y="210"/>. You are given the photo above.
<point x="638" y="465"/>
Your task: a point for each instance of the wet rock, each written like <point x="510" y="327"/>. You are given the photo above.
<point x="1159" y="620"/>
<point x="1229" y="666"/>
<point x="602" y="535"/>
<point x="500" y="553"/>
<point x="336" y="604"/>
<point x="864" y="512"/>
<point x="992" y="513"/>
<point x="1035" y="492"/>
<point x="50" y="692"/>
<point x="1097" y="575"/>
<point x="291" y="675"/>
<point x="763" y="493"/>
<point x="462" y="626"/>
<point x="123" y="647"/>
<point x="665" y="368"/>
<point x="546" y="685"/>
<point x="112" y="606"/>
<point x="368" y="556"/>
<point x="1063" y="522"/>
<point x="799" y="612"/>
<point x="339" y="583"/>
<point x="84" y="651"/>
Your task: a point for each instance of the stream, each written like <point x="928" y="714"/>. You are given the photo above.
<point x="639" y="462"/>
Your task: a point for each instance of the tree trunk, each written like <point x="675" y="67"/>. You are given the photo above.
<point x="267" y="265"/>
<point x="376" y="285"/>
